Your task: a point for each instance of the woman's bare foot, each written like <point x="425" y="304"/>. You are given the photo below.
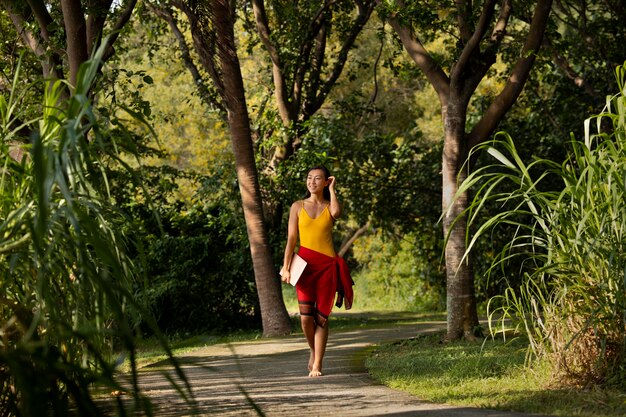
<point x="315" y="369"/>
<point x="311" y="360"/>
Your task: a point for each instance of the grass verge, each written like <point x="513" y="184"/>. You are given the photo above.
<point x="485" y="375"/>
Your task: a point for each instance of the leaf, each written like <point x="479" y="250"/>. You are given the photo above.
<point x="500" y="157"/>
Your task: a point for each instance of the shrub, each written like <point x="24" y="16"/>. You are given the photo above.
<point x="197" y="261"/>
<point x="572" y="305"/>
<point x="200" y="277"/>
<point x="393" y="275"/>
<point x="67" y="279"/>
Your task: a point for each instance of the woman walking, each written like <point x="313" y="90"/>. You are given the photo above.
<point x="325" y="274"/>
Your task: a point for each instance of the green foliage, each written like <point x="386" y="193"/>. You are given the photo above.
<point x="196" y="260"/>
<point x="201" y="276"/>
<point x="185" y="209"/>
<point x="67" y="276"/>
<point x="197" y="263"/>
<point x="392" y="276"/>
<point x="572" y="304"/>
<point x="193" y="136"/>
<point x="566" y="85"/>
<point x="388" y="177"/>
<point x="433" y="19"/>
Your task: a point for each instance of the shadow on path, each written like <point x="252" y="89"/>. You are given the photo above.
<point x="273" y="374"/>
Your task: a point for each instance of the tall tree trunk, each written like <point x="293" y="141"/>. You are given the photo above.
<point x="460" y="299"/>
<point x="273" y="312"/>
<point x="76" y="36"/>
<point x="478" y="54"/>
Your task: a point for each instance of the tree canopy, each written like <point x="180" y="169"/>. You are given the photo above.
<point x="200" y="118"/>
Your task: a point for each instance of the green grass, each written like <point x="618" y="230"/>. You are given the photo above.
<point x="490" y="375"/>
<point x="350" y="320"/>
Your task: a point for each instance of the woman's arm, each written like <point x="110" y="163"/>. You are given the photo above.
<point x="292" y="238"/>
<point x="335" y="205"/>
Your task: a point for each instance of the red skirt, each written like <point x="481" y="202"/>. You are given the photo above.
<point x="322" y="279"/>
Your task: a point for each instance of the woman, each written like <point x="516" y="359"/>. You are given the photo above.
<point x="325" y="274"/>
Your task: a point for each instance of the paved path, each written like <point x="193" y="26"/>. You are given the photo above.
<point x="272" y="372"/>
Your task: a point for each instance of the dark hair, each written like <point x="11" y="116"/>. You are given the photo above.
<point x="326" y="174"/>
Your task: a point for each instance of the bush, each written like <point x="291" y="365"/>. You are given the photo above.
<point x="67" y="277"/>
<point x="572" y="305"/>
<point x="200" y="277"/>
<point x="198" y="268"/>
<point x="392" y="275"/>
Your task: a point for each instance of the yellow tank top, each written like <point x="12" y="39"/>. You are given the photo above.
<point x="316" y="234"/>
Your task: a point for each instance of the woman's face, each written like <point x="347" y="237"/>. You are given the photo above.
<point x="315" y="181"/>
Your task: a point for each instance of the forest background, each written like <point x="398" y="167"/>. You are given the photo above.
<point x="167" y="169"/>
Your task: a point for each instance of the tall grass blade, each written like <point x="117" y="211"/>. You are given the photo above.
<point x="68" y="279"/>
<point x="572" y="305"/>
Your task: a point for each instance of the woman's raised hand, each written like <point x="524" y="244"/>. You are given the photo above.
<point x="332" y="183"/>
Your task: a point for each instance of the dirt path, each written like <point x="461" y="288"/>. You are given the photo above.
<point x="272" y="372"/>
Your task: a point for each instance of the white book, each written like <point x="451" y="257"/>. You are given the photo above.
<point x="296" y="268"/>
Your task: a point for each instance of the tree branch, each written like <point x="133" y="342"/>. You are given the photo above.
<point x="316" y="35"/>
<point x="205" y="45"/>
<point x="42" y="16"/>
<point x="50" y="64"/>
<point x="165" y="13"/>
<point x="97" y="11"/>
<point x="414" y="47"/>
<point x="20" y="23"/>
<point x="507" y="97"/>
<point x="499" y="29"/>
<point x="375" y="66"/>
<point x="464" y="14"/>
<point x="286" y="111"/>
<point x="365" y="11"/>
<point x="345" y="247"/>
<point x="315" y="70"/>
<point x="472" y="48"/>
<point x="123" y="19"/>
<point x="570" y="73"/>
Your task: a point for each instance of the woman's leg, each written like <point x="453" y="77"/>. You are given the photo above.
<point x="320" y="340"/>
<point x="308" y="328"/>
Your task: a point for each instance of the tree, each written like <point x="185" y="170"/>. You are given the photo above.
<point x="212" y="30"/>
<point x="300" y="39"/>
<point x="303" y="75"/>
<point x="65" y="35"/>
<point x="479" y="38"/>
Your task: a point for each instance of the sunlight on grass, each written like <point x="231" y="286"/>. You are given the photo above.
<point x="492" y="376"/>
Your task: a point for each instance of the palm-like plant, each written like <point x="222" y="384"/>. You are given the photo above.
<point x="572" y="305"/>
<point x="66" y="287"/>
